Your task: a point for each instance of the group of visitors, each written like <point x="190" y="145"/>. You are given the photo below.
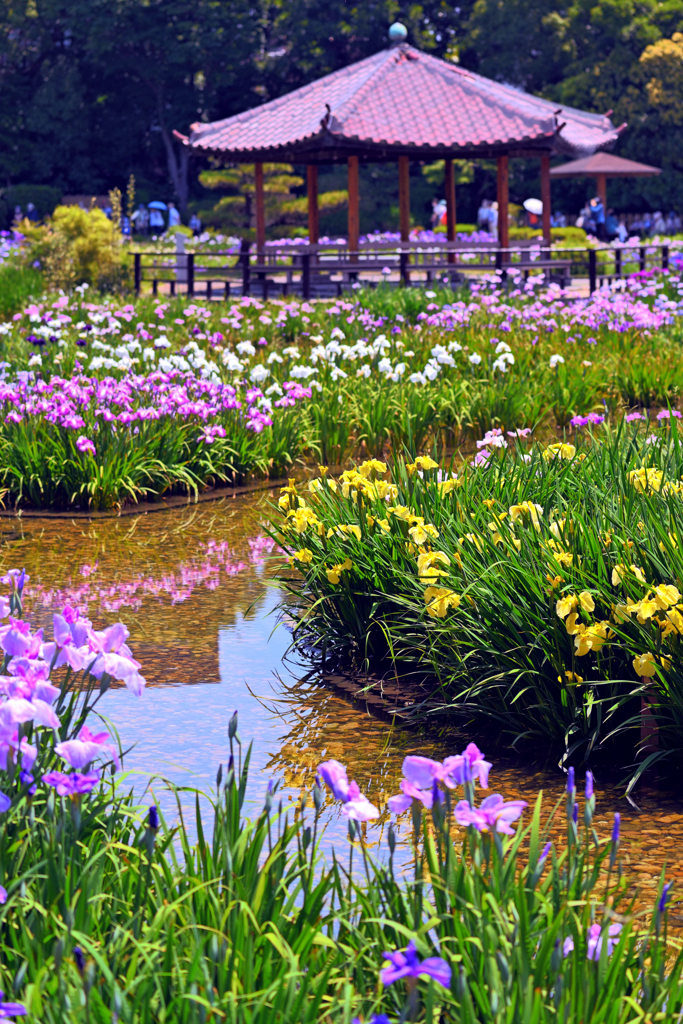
<point x="608" y="227"/>
<point x="31" y="213"/>
<point x="150" y="219"/>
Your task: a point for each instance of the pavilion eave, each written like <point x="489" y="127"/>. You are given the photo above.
<point x="329" y="148"/>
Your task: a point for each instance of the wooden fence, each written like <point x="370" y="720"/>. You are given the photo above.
<point x="330" y="269"/>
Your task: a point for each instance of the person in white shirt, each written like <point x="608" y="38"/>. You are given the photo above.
<point x="173" y="216"/>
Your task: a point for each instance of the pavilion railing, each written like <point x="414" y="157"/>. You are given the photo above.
<point x="330" y="268"/>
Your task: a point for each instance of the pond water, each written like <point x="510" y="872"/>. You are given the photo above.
<point x="192" y="585"/>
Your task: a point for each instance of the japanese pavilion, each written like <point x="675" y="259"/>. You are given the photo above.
<point x="402" y="104"/>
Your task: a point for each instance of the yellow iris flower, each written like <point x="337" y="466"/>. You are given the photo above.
<point x="646" y="480"/>
<point x="644" y="665"/>
<point x="424" y="462"/>
<point x="334" y="574"/>
<point x="438" y="600"/>
<point x="563" y="451"/>
<point x="366" y="469"/>
<point x="527" y="511"/>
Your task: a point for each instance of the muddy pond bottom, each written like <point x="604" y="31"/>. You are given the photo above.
<point x="192" y="586"/>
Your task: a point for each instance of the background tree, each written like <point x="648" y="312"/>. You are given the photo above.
<point x="235" y="210"/>
<point x="92" y="90"/>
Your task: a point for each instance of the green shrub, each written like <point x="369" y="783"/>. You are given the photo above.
<point x="79" y="246"/>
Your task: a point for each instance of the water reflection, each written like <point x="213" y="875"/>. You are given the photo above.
<point x="192" y="586"/>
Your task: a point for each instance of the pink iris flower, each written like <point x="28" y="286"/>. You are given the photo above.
<point x="493" y="814"/>
<point x="356" y="806"/>
<point x="79" y="753"/>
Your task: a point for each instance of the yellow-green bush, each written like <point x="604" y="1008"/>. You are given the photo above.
<point x="79" y="246"/>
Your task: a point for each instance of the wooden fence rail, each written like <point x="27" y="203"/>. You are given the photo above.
<point x="310" y="270"/>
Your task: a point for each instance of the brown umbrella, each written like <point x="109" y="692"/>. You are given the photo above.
<point x="602" y="166"/>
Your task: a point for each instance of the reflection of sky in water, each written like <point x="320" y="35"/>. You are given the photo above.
<point x="189" y="584"/>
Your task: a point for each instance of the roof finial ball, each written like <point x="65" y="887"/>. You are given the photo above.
<point x="398" y="33"/>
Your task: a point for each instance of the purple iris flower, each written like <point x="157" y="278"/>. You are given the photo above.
<point x="408" y="965"/>
<point x="333" y="774"/>
<point x="10" y="1009"/>
<point x="595" y="940"/>
<point x="153" y="818"/>
<point x="73" y="784"/>
<point x="409" y="792"/>
<point x="356" y="806"/>
<point x="663" y="899"/>
<point x="81" y="751"/>
<point x="546" y="850"/>
<point x="3" y="894"/>
<point x="492" y="814"/>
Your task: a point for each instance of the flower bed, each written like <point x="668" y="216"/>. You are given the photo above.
<point x="350" y="378"/>
<point x="538" y="587"/>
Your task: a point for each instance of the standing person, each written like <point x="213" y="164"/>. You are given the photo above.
<point x="156" y="221"/>
<point x="141" y="219"/>
<point x="611" y="225"/>
<point x="18" y="214"/>
<point x="31" y="213"/>
<point x="622" y="230"/>
<point x="598" y="212"/>
<point x="493" y="219"/>
<point x="483" y="215"/>
<point x="195" y="225"/>
<point x="173" y="217"/>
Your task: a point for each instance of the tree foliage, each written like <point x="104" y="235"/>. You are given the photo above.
<point x="92" y="90"/>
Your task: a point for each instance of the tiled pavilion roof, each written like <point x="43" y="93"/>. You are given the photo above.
<point x="403" y="101"/>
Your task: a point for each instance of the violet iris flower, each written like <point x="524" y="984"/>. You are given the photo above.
<point x="663" y="899"/>
<point x="3" y="897"/>
<point x="10" y="1009"/>
<point x="492" y="814"/>
<point x="421" y="774"/>
<point x="81" y="751"/>
<point x="408" y="965"/>
<point x="595" y="940"/>
<point x="71" y="785"/>
<point x="409" y="792"/>
<point x="356" y="806"/>
<point x="615" y="830"/>
<point x="84" y="444"/>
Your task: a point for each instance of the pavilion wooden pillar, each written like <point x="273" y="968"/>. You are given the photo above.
<point x="312" y="189"/>
<point x="260" y="213"/>
<point x="450" y="206"/>
<point x="404" y="197"/>
<point x="545" y="197"/>
<point x="503" y="198"/>
<point x="354" y="211"/>
<point x="601" y="183"/>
